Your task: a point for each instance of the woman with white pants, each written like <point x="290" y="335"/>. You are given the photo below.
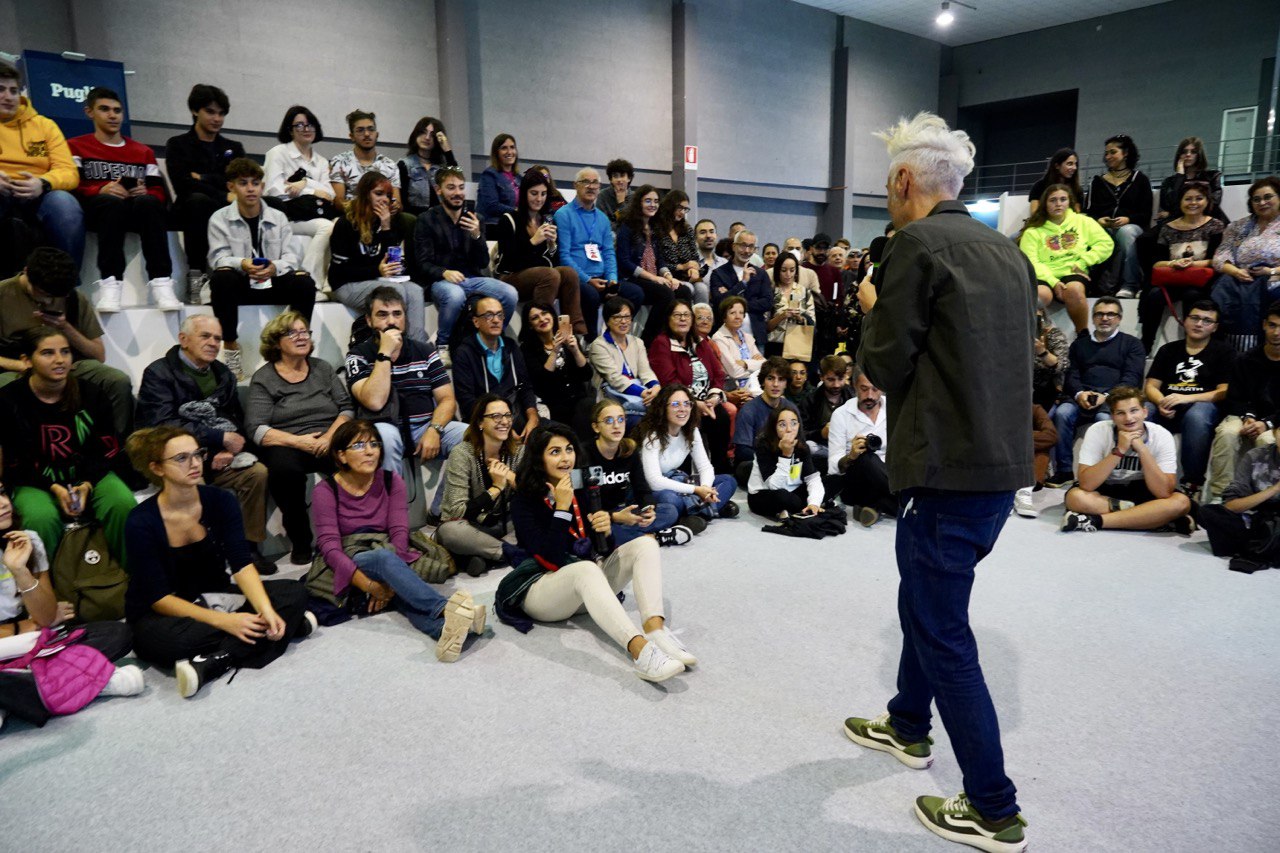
<point x="566" y="574"/>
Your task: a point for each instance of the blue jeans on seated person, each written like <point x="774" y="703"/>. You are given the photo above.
<point x="592" y="300"/>
<point x="450" y="299"/>
<point x="1065" y="415"/>
<point x="689" y="504"/>
<point x="415" y="598"/>
<point x="1241" y="304"/>
<point x="58" y="213"/>
<point x="631" y="404"/>
<point x="1125" y="269"/>
<point x="1197" y="423"/>
<point x="941" y="538"/>
<point x="393" y="450"/>
<point x="664" y="515"/>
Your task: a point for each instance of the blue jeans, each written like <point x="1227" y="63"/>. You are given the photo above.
<point x="942" y="536"/>
<point x="450" y="299"/>
<point x="393" y="449"/>
<point x="1124" y="265"/>
<point x="1242" y="304"/>
<point x="1197" y="423"/>
<point x="632" y="406"/>
<point x="1065" y="415"/>
<point x="58" y="213"/>
<point x="724" y="485"/>
<point x="664" y="514"/>
<point x="592" y="299"/>
<point x="415" y="598"/>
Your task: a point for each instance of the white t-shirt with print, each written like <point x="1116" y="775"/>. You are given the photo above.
<point x="1100" y="440"/>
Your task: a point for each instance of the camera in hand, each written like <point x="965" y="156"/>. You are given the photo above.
<point x="874" y="442"/>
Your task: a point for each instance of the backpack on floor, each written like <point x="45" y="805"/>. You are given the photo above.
<point x="86" y="574"/>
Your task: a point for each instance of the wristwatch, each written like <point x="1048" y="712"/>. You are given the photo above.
<point x="437" y="427"/>
<point x="1115" y="451"/>
<point x="382" y="356"/>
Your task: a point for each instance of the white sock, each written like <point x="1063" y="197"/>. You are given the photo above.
<point x="125" y="681"/>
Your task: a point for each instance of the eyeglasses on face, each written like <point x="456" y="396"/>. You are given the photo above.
<point x="370" y="443"/>
<point x="1201" y="320"/>
<point x="450" y="171"/>
<point x="499" y="417"/>
<point x="182" y="460"/>
<point x="1265" y="197"/>
<point x="684" y="208"/>
<point x="303" y="126"/>
<point x="298" y="334"/>
<point x="364" y="131"/>
<point x="614" y="420"/>
<point x="1106" y="315"/>
<point x="681" y="404"/>
<point x="681" y="315"/>
<point x="588" y="183"/>
<point x="621" y="318"/>
<point x="491" y="315"/>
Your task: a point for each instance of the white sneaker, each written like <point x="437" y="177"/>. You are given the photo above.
<point x="668" y="642"/>
<point x="655" y="665"/>
<point x="1126" y="293"/>
<point x="109" y="295"/>
<point x="125" y="681"/>
<point x="162" y="295"/>
<point x="234" y="360"/>
<point x="1022" y="503"/>
<point x="444" y="356"/>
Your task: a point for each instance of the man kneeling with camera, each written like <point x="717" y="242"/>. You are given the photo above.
<point x="855" y="453"/>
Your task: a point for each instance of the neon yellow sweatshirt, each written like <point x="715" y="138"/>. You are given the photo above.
<point x="29" y="142"/>
<point x="1054" y="249"/>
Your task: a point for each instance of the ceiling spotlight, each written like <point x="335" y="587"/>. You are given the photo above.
<point x="946" y="17"/>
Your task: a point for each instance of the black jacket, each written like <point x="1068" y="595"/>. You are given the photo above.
<point x="439" y="244"/>
<point x="166" y="386"/>
<point x="185" y="154"/>
<point x="815" y="412"/>
<point x="1254" y="390"/>
<point x="472" y="380"/>
<point x="516" y="252"/>
<point x="560" y="389"/>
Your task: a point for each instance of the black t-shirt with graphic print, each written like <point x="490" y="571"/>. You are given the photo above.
<point x="1180" y="373"/>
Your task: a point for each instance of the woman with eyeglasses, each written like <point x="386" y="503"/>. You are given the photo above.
<point x="574" y="564"/>
<point x="363" y="499"/>
<point x="186" y="546"/>
<point x="784" y="479"/>
<point x="677" y="248"/>
<point x="557" y="363"/>
<point x="621" y="362"/>
<point x="668" y="438"/>
<point x="478" y="480"/>
<point x="528" y="254"/>
<point x="1190" y="164"/>
<point x="61" y="450"/>
<point x="1120" y="201"/>
<point x="296" y="177"/>
<point x="640" y="259"/>
<point x="428" y="152"/>
<point x="296" y="404"/>
<point x="679" y="355"/>
<point x="1248" y="263"/>
<point x="500" y="182"/>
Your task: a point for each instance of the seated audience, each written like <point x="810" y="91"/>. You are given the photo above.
<point x="1242" y="526"/>
<point x="479" y="480"/>
<point x="639" y="259"/>
<point x="1120" y="201"/>
<point x="61" y="449"/>
<point x="1043" y="438"/>
<point x="669" y="441"/>
<point x="348" y="168"/>
<point x="1062" y="246"/>
<point x="428" y="152"/>
<point x="557" y="365"/>
<point x="528" y="257"/>
<point x="677" y="248"/>
<point x="37" y="173"/>
<point x="562" y="576"/>
<point x="798" y="387"/>
<point x="739" y="356"/>
<point x="186" y="546"/>
<point x="621" y="362"/>
<point x="367" y="252"/>
<point x="1052" y="357"/>
<point x="1251" y="407"/>
<point x="1186" y="382"/>
<point x="297" y="176"/>
<point x="816" y="410"/>
<point x="1098" y="363"/>
<point x="488" y="362"/>
<point x="410" y="399"/>
<point x="620" y="173"/>
<point x="704" y="233"/>
<point x="189" y="388"/>
<point x="856" y="446"/>
<point x="704" y="319"/>
<point x="1184" y="248"/>
<point x="296" y="404"/>
<point x="197" y="162"/>
<point x="499" y="182"/>
<point x="555" y="198"/>
<point x="252" y="260"/>
<point x="1128" y="474"/>
<point x="121" y="190"/>
<point x="1063" y="168"/>
<point x="784" y="480"/>
<point x="792" y="304"/>
<point x="1248" y="263"/>
<point x="452" y="255"/>
<point x="679" y="355"/>
<point x="772" y="377"/>
<point x="614" y="461"/>
<point x="741" y="278"/>
<point x="1190" y="164"/>
<point x="44" y="293"/>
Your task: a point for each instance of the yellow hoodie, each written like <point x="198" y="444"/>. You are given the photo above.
<point x="29" y="142"/>
<point x="1054" y="249"/>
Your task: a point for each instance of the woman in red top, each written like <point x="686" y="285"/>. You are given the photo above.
<point x="679" y="355"/>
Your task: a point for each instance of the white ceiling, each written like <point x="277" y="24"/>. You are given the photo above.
<point x="993" y="19"/>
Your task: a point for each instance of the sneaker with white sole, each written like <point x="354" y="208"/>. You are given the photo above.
<point x="1126" y="293"/>
<point x="308" y="625"/>
<point x="198" y="671"/>
<point x="162" y="295"/>
<point x="955" y="819"/>
<point x="109" y="291"/>
<point x="125" y="681"/>
<point x="1073" y="521"/>
<point x="234" y="360"/>
<point x="196" y="281"/>
<point x="677" y="534"/>
<point x="670" y="644"/>
<point x="878" y="734"/>
<point x="656" y="665"/>
<point x="1023" y="504"/>
<point x="459" y="620"/>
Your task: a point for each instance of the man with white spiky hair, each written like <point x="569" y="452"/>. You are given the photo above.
<point x="947" y="337"/>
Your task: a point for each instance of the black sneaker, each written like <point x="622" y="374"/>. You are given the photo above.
<point x="1080" y="521"/>
<point x="261" y="563"/>
<point x="301" y="555"/>
<point x="1186" y="525"/>
<point x="1058" y="481"/>
<point x="308" y="625"/>
<point x="476" y="566"/>
<point x="675" y="535"/>
<point x="1247" y="565"/>
<point x="198" y="671"/>
<point x="695" y="523"/>
<point x="729" y="510"/>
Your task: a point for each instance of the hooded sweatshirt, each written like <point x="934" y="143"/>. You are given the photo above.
<point x="29" y="142"/>
<point x="1054" y="249"/>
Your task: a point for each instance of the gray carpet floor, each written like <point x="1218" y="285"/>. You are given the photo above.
<point x="1135" y="677"/>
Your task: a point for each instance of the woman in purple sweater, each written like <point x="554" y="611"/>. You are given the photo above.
<point x="361" y="498"/>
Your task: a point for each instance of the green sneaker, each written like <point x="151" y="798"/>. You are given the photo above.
<point x="956" y="820"/>
<point x="878" y="734"/>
